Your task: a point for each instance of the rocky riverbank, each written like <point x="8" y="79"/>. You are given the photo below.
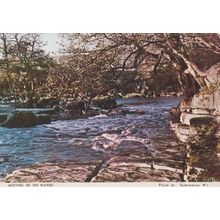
<point x="199" y="128"/>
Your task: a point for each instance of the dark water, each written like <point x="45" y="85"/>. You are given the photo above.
<point x="78" y="140"/>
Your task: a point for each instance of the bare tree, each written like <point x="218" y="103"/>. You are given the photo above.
<point x="189" y="58"/>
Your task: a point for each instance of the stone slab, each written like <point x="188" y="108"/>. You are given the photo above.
<point x="186" y="117"/>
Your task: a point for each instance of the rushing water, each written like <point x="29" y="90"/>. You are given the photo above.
<point x="94" y="137"/>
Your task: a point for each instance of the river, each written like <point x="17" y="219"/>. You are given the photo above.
<point x="143" y="141"/>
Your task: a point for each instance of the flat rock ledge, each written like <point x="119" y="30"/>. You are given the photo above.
<point x="119" y="170"/>
<point x="114" y="171"/>
<point x="53" y="172"/>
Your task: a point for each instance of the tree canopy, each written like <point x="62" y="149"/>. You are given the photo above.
<point x="94" y="64"/>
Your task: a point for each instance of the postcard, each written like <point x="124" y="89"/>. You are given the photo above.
<point x="104" y="108"/>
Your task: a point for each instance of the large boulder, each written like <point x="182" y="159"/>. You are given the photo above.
<point x="20" y="120"/>
<point x="105" y="103"/>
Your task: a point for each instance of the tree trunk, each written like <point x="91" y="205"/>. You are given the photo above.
<point x="192" y="68"/>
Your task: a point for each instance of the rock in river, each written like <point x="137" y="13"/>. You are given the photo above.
<point x="25" y="119"/>
<point x="43" y="118"/>
<point x="21" y="119"/>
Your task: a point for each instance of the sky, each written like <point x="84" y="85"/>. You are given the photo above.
<point x="52" y="40"/>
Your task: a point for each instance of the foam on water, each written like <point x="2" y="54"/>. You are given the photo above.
<point x="109" y="142"/>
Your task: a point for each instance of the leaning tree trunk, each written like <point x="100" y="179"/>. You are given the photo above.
<point x="203" y="109"/>
<point x="192" y="68"/>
